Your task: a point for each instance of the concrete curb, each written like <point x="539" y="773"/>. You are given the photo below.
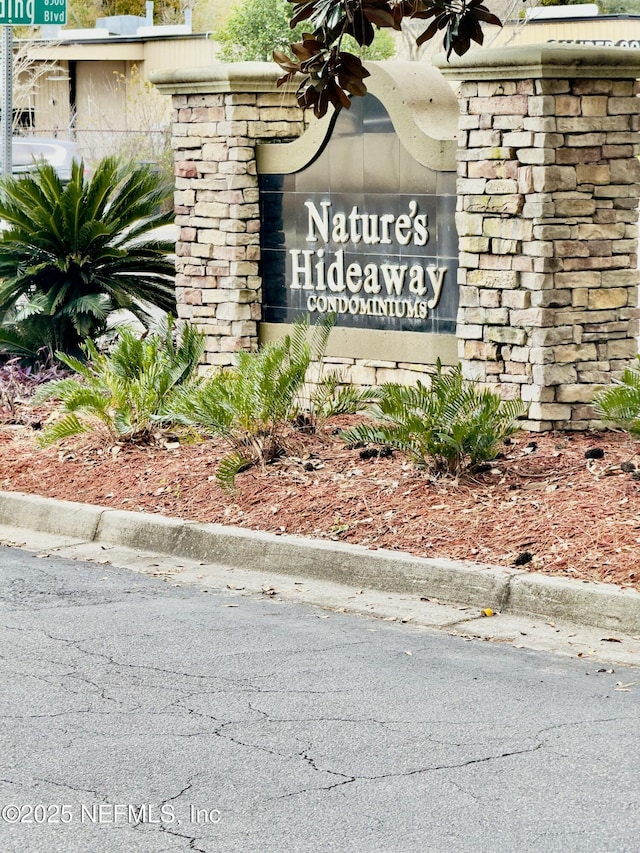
<point x="506" y="590"/>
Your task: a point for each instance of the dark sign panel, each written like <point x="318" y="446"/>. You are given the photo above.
<point x="364" y="232"/>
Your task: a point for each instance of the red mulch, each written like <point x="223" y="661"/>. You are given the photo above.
<point x="572" y="516"/>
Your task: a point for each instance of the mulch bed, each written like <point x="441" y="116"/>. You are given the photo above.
<point x="543" y="505"/>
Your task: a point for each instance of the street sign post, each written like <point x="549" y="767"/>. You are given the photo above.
<point x="18" y="13"/>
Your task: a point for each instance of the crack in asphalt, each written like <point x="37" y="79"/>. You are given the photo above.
<point x="408" y="773"/>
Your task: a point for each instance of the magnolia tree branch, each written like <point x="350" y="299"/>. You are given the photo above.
<point x="332" y="75"/>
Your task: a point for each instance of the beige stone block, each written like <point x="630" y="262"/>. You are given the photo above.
<point x="213" y="296"/>
<point x="502" y="186"/>
<point x="499" y="105"/>
<point x="581" y="279"/>
<point x="613" y="231"/>
<point x="201" y="250"/>
<point x="567" y="105"/>
<point x="549" y="337"/>
<point x="487" y="316"/>
<point x="483" y="138"/>
<point x="244" y="211"/>
<point x="605" y="298"/>
<point x="537" y="281"/>
<point x="622" y="106"/>
<point x="539" y="124"/>
<point x="571" y="249"/>
<point x="480" y="350"/>
<point x="549" y="411"/>
<point x="519" y="354"/>
<point x="490" y="298"/>
<point x="468" y="296"/>
<point x="625" y="171"/>
<point x="403" y="377"/>
<point x="493" y="169"/>
<point x="541" y="105"/>
<point x="554" y="178"/>
<point x="507" y="229"/>
<point x="243" y="268"/>
<point x="474" y="371"/>
<point x="584" y="126"/>
<point x="210" y="235"/>
<point x="574" y="207"/>
<point x="244" y="328"/>
<point x="233" y="311"/>
<point x="496" y="279"/>
<point x="532" y="317"/>
<point x="506" y="335"/>
<point x="518" y="299"/>
<point x="467" y="260"/>
<point x="625" y="348"/>
<point x="576" y="393"/>
<point x="539" y="248"/>
<point x="522" y="139"/>
<point x="468" y="332"/>
<point x="575" y="352"/>
<point x="550" y="298"/>
<point x="361" y="375"/>
<point x="536" y="156"/>
<point x="533" y="393"/>
<point x="593" y="174"/>
<point x="594" y="105"/>
<point x="505" y="204"/>
<point x="489" y="88"/>
<point x="474" y="244"/>
<point x="552" y="232"/>
<point x="469" y="224"/>
<point x="541" y="355"/>
<point x="211" y="209"/>
<point x="505" y="247"/>
<point x="471" y="186"/>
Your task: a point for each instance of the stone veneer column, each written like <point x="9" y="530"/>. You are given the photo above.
<point x="547" y="216"/>
<point x="220" y="114"/>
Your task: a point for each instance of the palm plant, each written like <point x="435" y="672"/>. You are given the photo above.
<point x="74" y="253"/>
<point x="446" y="427"/>
<point x="127" y="391"/>
<point x="620" y="403"/>
<point x="253" y="403"/>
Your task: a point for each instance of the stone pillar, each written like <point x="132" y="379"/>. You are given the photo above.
<point x="548" y="189"/>
<point x="220" y="114"/>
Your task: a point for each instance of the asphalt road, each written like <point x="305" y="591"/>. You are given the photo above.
<point x="139" y="716"/>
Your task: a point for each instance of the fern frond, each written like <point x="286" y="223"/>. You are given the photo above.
<point x="229" y="467"/>
<point x="64" y="428"/>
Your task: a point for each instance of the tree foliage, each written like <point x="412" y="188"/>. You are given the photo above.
<point x="332" y="74"/>
<point x="256" y="27"/>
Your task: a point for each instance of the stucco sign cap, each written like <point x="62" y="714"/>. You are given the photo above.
<point x="542" y="60"/>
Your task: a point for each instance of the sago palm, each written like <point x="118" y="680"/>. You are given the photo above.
<point x="620" y="403"/>
<point x="129" y="390"/>
<point x="71" y="254"/>
<point x="447" y="427"/>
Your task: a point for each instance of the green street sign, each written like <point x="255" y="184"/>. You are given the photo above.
<point x="32" y="12"/>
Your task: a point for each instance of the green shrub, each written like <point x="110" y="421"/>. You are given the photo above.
<point x="620" y="403"/>
<point x="74" y="253"/>
<point x="447" y="427"/>
<point x="127" y="391"/>
<point x="253" y="403"/>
